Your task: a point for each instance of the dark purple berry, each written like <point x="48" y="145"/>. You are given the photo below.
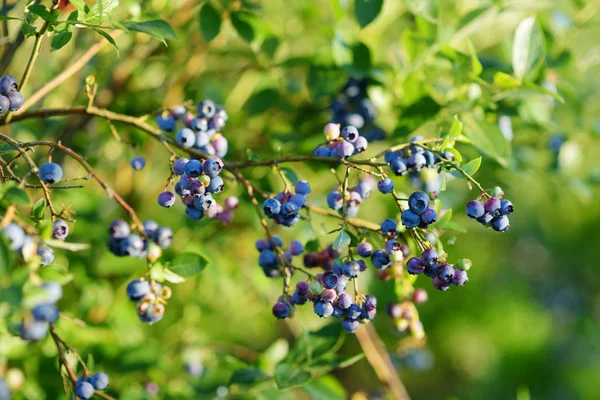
<point x="281" y="310"/>
<point x="370" y="302"/>
<point x="440" y="284"/>
<point x="492" y="206"/>
<point x="364" y="249"/>
<point x="354" y="311"/>
<point x="445" y="272"/>
<point x="414" y="266"/>
<point x="475" y="209"/>
<point x="166" y="199"/>
<point x="429" y="257"/>
<point x="351" y="269"/>
<point x="344" y="301"/>
<point x="460" y="277"/>
<point x="428" y="218"/>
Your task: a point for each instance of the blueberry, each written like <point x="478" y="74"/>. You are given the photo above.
<point x="392" y="246"/>
<point x="133" y="245"/>
<point x="289" y="209"/>
<point x="341" y="284"/>
<point x="398" y="166"/>
<point x="166" y="199"/>
<point x="163" y="237"/>
<point x="360" y="144"/>
<point x="328" y="295"/>
<point x="429" y="257"/>
<point x="299" y="200"/>
<point x="196" y="188"/>
<point x="394" y="310"/>
<point x="5" y="393"/>
<point x="445" y="272"/>
<point x="388" y="227"/>
<point x="370" y="302"/>
<point x="16" y="101"/>
<point x="60" y="230"/>
<point x="271" y="207"/>
<point x="380" y="259"/>
<point x="302" y="288"/>
<point x="302" y="187"/>
<point x="428" y="218"/>
<point x="212" y="166"/>
<point x="45" y="313"/>
<point x="344" y="301"/>
<point x="368" y="314"/>
<point x="354" y="311"/>
<point x="281" y="310"/>
<point x="216" y="185"/>
<point x="84" y="389"/>
<point x="350" y="133"/>
<point x="334" y="200"/>
<point x="207" y="109"/>
<point x="440" y="284"/>
<point x="417" y="161"/>
<point x="420" y="296"/>
<point x="460" y="277"/>
<point x="431" y="270"/>
<point x="322" y="151"/>
<point x="351" y="269"/>
<point x="221" y="145"/>
<point x="53" y="291"/>
<point x="492" y="206"/>
<point x="323" y="309"/>
<point x="50" y="173"/>
<point x="296" y="248"/>
<point x="193" y="168"/>
<point x="278" y="241"/>
<point x="364" y="249"/>
<point x="185" y="138"/>
<point x="329" y="280"/>
<point x="179" y="166"/>
<point x="298" y="298"/>
<point x="506" y="207"/>
<point x="429" y="159"/>
<point x="350" y="325"/>
<point x="46" y="253"/>
<point x="267" y="259"/>
<point x="262" y="244"/>
<point x="385" y="185"/>
<point x="166" y="121"/>
<point x="415" y="266"/>
<point x="99" y="380"/>
<point x="15" y="235"/>
<point x="390" y="156"/>
<point x="137" y="289"/>
<point x="344" y="149"/>
<point x="418" y="202"/>
<point x="203" y="202"/>
<point x="217" y="123"/>
<point x="410" y="219"/>
<point x="475" y="209"/>
<point x="485" y="218"/>
<point x="4" y="108"/>
<point x="8" y="85"/>
<point x="33" y="330"/>
<point x="447" y="155"/>
<point x="202" y="139"/>
<point x="138" y="163"/>
<point x="152" y="314"/>
<point x="500" y="223"/>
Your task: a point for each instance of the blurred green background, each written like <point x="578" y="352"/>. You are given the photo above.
<point x="526" y="325"/>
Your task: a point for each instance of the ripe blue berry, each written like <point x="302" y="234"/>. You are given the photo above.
<point x="99" y="380"/>
<point x="299" y="200"/>
<point x="440" y="284"/>
<point x="445" y="272"/>
<point x="344" y="301"/>
<point x="428" y="218"/>
<point x="137" y="289"/>
<point x="296" y="248"/>
<point x="207" y="109"/>
<point x="216" y="185"/>
<point x="460" y="277"/>
<point x="334" y="200"/>
<point x="166" y="199"/>
<point x="281" y="310"/>
<point x="323" y="309"/>
<point x="329" y="280"/>
<point x="429" y="257"/>
<point x="351" y="269"/>
<point x="380" y="259"/>
<point x="506" y="207"/>
<point x="4" y="108"/>
<point x="84" y="389"/>
<point x="342" y="284"/>
<point x="475" y="209"/>
<point x="16" y="101"/>
<point x="485" y="218"/>
<point x="385" y="185"/>
<point x="350" y="325"/>
<point x="45" y="313"/>
<point x="364" y="249"/>
<point x="166" y="121"/>
<point x="414" y="266"/>
<point x="193" y="213"/>
<point x="417" y="161"/>
<point x="429" y="158"/>
<point x="138" y="163"/>
<point x="388" y="227"/>
<point x="8" y="85"/>
<point x="163" y="237"/>
<point x="15" y="235"/>
<point x="361" y="144"/>
<point x="50" y="173"/>
<point x="179" y="166"/>
<point x="185" y="138"/>
<point x="33" y="330"/>
<point x="53" y="291"/>
<point x="302" y="187"/>
<point x="410" y="219"/>
<point x="271" y="207"/>
<point x="368" y="314"/>
<point x="46" y="253"/>
<point x="390" y="156"/>
<point x="344" y="149"/>
<point x="370" y="302"/>
<point x="267" y="259"/>
<point x="398" y="166"/>
<point x="193" y="168"/>
<point x="418" y="202"/>
<point x="133" y="245"/>
<point x="328" y="295"/>
<point x="500" y="223"/>
<point x="350" y="133"/>
<point x="212" y="166"/>
<point x="289" y="209"/>
<point x="492" y="206"/>
<point x="354" y="311"/>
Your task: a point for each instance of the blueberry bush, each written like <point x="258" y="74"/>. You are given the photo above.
<point x="285" y="192"/>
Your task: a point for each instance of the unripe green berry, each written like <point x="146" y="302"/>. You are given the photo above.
<point x="315" y="287"/>
<point x="496" y="192"/>
<point x="464" y="264"/>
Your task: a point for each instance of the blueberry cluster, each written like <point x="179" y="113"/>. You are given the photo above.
<point x="270" y="261"/>
<point x="50" y="173"/>
<point x="493" y="213"/>
<point x="124" y="243"/>
<point x="150" y="297"/>
<point x="10" y="97"/>
<point x="329" y="298"/>
<point x="285" y="207"/>
<point x="35" y="324"/>
<point x="414" y="158"/>
<point x="354" y="197"/>
<point x="419" y="214"/>
<point x="443" y="274"/>
<point x="86" y="385"/>
<point x="202" y="130"/>
<point x="393" y="252"/>
<point x="324" y="258"/>
<point x="198" y="181"/>
<point x="352" y="106"/>
<point x="406" y="318"/>
<point x="25" y="246"/>
<point x="341" y="144"/>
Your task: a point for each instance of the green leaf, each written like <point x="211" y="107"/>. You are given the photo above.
<point x="41" y="11"/>
<point x="529" y="48"/>
<point x="37" y="211"/>
<point x="247" y="376"/>
<point x="505" y="81"/>
<point x="353" y="239"/>
<point x="171" y="276"/>
<point x="100" y="11"/>
<point x="314" y="345"/>
<point x="157" y="28"/>
<point x="290" y="174"/>
<point x="426" y="9"/>
<point x="61" y="37"/>
<point x="252" y="156"/>
<point x="261" y="101"/>
<point x="4" y="257"/>
<point x="57" y="273"/>
<point x="488" y="138"/>
<point x="470" y="168"/>
<point x="27" y="29"/>
<point x="453" y="134"/>
<point x="312" y="246"/>
<point x="79" y="5"/>
<point x="110" y="39"/>
<point x="188" y="264"/>
<point x="457" y="156"/>
<point x="342" y="241"/>
<point x="269" y="46"/>
<point x="242" y="26"/>
<point x="325" y="388"/>
<point x="329" y="362"/>
<point x="361" y="57"/>
<point x="443" y="220"/>
<point x="543" y="90"/>
<point x="16" y="196"/>
<point x="210" y="22"/>
<point x="476" y="66"/>
<point x="287" y="375"/>
<point x="367" y="10"/>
